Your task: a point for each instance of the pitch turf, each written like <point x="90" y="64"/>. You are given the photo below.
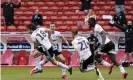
<point x="22" y="73"/>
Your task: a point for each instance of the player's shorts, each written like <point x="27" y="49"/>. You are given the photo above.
<point x="84" y="64"/>
<point x="128" y="47"/>
<point x="56" y="52"/>
<point x="109" y="48"/>
<point x="49" y="53"/>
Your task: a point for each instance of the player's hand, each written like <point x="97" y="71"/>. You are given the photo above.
<point x="76" y="11"/>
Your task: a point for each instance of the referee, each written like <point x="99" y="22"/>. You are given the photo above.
<point x="128" y="30"/>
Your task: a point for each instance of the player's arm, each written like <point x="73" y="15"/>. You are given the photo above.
<point x="35" y="41"/>
<point x="64" y="39"/>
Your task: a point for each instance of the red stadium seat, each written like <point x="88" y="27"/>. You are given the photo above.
<point x="112" y="2"/>
<point x="65" y="8"/>
<point x="63" y="28"/>
<point x="84" y="28"/>
<point x="74" y="17"/>
<point x="28" y="13"/>
<point x="19" y="12"/>
<point x="60" y="13"/>
<point x="30" y="3"/>
<point x="69" y="13"/>
<point x="40" y="4"/>
<point x="59" y="23"/>
<point x="3" y="28"/>
<point x="58" y="3"/>
<point x="49" y="3"/>
<point x="22" y="28"/>
<point x="129" y="17"/>
<point x="64" y="17"/>
<point x="11" y="28"/>
<point x="21" y="58"/>
<point x="55" y="18"/>
<point x="68" y="23"/>
<point x="33" y="7"/>
<point x="48" y="13"/>
<point x="45" y="8"/>
<point x="54" y="8"/>
<point x="27" y="22"/>
<point x="23" y="18"/>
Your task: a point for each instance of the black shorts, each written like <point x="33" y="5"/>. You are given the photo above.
<point x="56" y="52"/>
<point x="110" y="46"/>
<point x="128" y="47"/>
<point x="84" y="64"/>
<point x="49" y="53"/>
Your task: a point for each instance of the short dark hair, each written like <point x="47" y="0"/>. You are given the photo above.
<point x="75" y="31"/>
<point x="32" y="27"/>
<point x="93" y="20"/>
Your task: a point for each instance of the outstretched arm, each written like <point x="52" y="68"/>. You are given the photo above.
<point x="17" y="5"/>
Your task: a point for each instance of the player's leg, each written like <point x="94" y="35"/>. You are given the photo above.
<point x="89" y="65"/>
<point x="103" y="62"/>
<point x="59" y="57"/>
<point x="50" y="55"/>
<point x="127" y="51"/>
<point x="112" y="54"/>
<point x="38" y="69"/>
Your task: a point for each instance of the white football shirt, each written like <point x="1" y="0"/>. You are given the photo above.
<point x="56" y="41"/>
<point x="97" y="32"/>
<point x="42" y="37"/>
<point x="81" y="45"/>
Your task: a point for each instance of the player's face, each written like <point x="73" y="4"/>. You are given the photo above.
<point x="8" y="0"/>
<point x="52" y="27"/>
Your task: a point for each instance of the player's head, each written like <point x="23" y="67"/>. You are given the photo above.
<point x="74" y="32"/>
<point x="8" y="1"/>
<point x="52" y="27"/>
<point x="32" y="27"/>
<point x="91" y="22"/>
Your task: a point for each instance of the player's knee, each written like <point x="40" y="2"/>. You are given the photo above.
<point x="53" y="61"/>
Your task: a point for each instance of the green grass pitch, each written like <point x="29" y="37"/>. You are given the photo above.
<point x="22" y="73"/>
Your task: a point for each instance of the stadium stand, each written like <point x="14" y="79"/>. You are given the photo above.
<point x="65" y="11"/>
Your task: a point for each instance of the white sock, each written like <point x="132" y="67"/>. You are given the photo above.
<point x="62" y="65"/>
<point x="63" y="71"/>
<point x="43" y="62"/>
<point x="37" y="63"/>
<point x="122" y="70"/>
<point x="89" y="69"/>
<point x="105" y="63"/>
<point x="100" y="75"/>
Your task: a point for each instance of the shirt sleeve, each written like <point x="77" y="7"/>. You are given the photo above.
<point x="33" y="38"/>
<point x="59" y="34"/>
<point x="98" y="29"/>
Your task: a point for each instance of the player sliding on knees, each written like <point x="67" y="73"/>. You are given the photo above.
<point x="81" y="45"/>
<point x="107" y="46"/>
<point x="40" y="37"/>
<point x="56" y="39"/>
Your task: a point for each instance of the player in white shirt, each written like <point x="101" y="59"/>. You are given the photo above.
<point x="81" y="46"/>
<point x="40" y="37"/>
<point x="56" y="40"/>
<point x="107" y="46"/>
